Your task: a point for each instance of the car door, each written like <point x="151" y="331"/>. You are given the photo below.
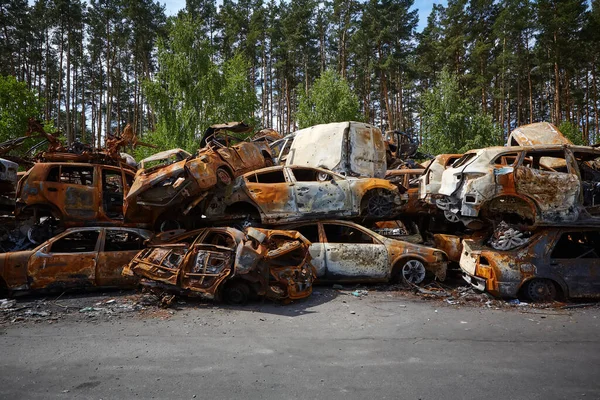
<point x="318" y="192"/>
<point x="112" y="192"/>
<point x="548" y="178"/>
<point x="118" y="247"/>
<point x="209" y="263"/>
<point x="71" y="189"/>
<point x="314" y="233"/>
<point x="576" y="259"/>
<point x="67" y="261"/>
<point x="353" y="255"/>
<point x="272" y="192"/>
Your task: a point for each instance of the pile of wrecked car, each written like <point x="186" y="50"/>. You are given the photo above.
<point x="259" y="215"/>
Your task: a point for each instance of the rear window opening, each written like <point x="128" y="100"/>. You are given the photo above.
<point x="463" y="160"/>
<point x="268" y="177"/>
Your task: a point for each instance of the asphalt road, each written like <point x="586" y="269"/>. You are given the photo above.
<point x="333" y="346"/>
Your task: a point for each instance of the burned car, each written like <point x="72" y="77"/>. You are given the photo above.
<point x="279" y="194"/>
<point x="76" y="194"/>
<point x="343" y="251"/>
<point x="431" y="179"/>
<point x="225" y="263"/>
<point x="530" y="185"/>
<point x="78" y="258"/>
<point x="170" y="184"/>
<point x="554" y="263"/>
<point x="409" y="178"/>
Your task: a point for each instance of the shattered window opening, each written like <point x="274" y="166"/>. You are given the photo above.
<point x="268" y="177"/>
<point x="53" y="174"/>
<point x="76" y="242"/>
<point x="577" y="245"/>
<point x="463" y="160"/>
<point x="346" y="234"/>
<point x="77" y="175"/>
<point x="310" y="232"/>
<point x="117" y="240"/>
<point x="506" y="159"/>
<point x="550" y="161"/>
<point x="310" y="175"/>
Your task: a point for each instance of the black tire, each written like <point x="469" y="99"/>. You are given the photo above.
<point x="236" y="293"/>
<point x="379" y="204"/>
<point x="540" y="290"/>
<point x="224" y="178"/>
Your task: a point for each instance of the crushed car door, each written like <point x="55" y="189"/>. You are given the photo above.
<point x="576" y="258"/>
<point x="68" y="260"/>
<point x="207" y="266"/>
<point x="319" y="193"/>
<point x="548" y="178"/>
<point x="271" y="192"/>
<point x="72" y="187"/>
<point x="353" y="255"/>
<point x="117" y="249"/>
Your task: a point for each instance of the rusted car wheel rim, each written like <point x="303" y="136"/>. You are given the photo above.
<point x="379" y="206"/>
<point x="413" y="271"/>
<point x="541" y="290"/>
<point x="223" y="177"/>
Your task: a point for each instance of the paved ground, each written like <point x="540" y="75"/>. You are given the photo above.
<point x="334" y="345"/>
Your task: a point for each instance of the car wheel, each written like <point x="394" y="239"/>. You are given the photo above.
<point x="268" y="162"/>
<point x="223" y="177"/>
<point x="413" y="271"/>
<point x="379" y="205"/>
<point x="451" y="217"/>
<point x="237" y="293"/>
<point x="539" y="290"/>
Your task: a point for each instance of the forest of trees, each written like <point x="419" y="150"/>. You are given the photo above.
<point x="477" y="70"/>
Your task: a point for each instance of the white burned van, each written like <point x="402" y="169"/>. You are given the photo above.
<point x="351" y="148"/>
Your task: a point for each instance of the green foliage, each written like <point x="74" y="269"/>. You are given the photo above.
<point x="572" y="132"/>
<point x="17" y="105"/>
<point x="329" y="100"/>
<point x="451" y="123"/>
<point x="192" y="92"/>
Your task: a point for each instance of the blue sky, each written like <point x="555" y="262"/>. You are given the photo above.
<point x="424" y="7"/>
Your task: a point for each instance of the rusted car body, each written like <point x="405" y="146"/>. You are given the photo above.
<point x="555" y="262"/>
<point x="278" y="195"/>
<point x="77" y="194"/>
<point x="344" y="251"/>
<point x="165" y="193"/>
<point x="431" y="179"/>
<point x="539" y="133"/>
<point x="230" y="264"/>
<point x="409" y="178"/>
<point x="532" y="185"/>
<point x="350" y="148"/>
<point x="75" y="259"/>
